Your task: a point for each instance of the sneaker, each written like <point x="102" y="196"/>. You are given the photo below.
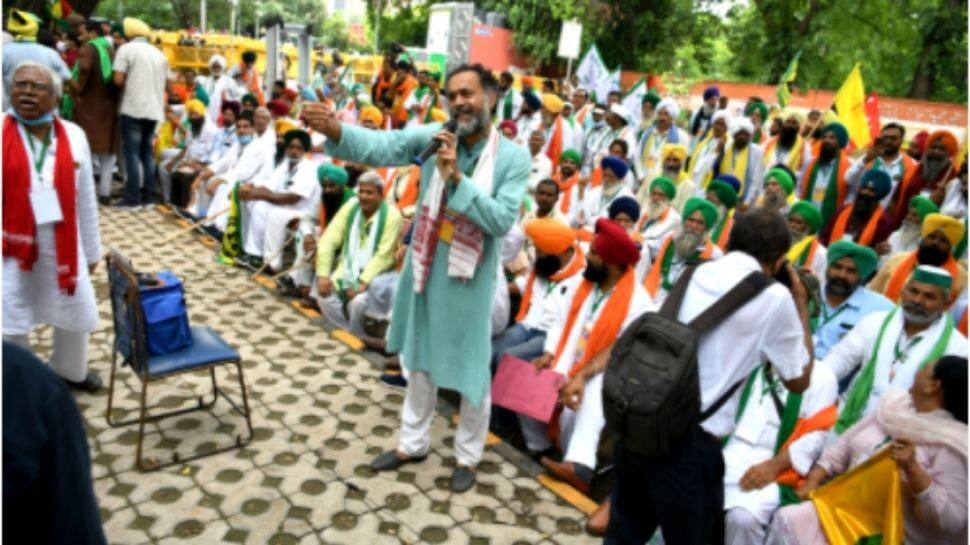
<point x="394" y="381"/>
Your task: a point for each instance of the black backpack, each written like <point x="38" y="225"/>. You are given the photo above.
<point x="651" y="390"/>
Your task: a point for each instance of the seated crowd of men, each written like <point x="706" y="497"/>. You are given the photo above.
<point x="616" y="209"/>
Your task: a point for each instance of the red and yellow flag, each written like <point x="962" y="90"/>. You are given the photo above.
<point x="850" y="103"/>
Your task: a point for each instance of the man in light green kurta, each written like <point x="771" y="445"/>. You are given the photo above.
<point x="345" y="268"/>
<point x="442" y="334"/>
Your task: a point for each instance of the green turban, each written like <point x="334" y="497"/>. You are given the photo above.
<point x="664" y="184"/>
<point x="878" y="181"/>
<point x="865" y="258"/>
<point x="332" y="173"/>
<point x="652" y="97"/>
<point x="809" y="214"/>
<point x="783" y="178"/>
<point x="705" y="207"/>
<point x="840" y="133"/>
<point x="758" y="106"/>
<point x="923" y="205"/>
<point x="725" y="193"/>
<point x="297" y="134"/>
<point x="571" y="155"/>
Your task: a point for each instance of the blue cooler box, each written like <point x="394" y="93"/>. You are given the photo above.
<point x="166" y="319"/>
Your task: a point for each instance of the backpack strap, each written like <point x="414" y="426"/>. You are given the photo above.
<point x="671" y="305"/>
<point x="745" y="290"/>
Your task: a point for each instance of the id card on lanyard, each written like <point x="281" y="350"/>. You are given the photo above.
<point x="43" y="199"/>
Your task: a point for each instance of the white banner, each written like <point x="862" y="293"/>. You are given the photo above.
<point x="611" y="82"/>
<point x="633" y="101"/>
<point x="591" y="69"/>
<point x="570" y="39"/>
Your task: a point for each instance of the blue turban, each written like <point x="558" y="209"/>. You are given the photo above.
<point x="878" y="181"/>
<point x="625" y="205"/>
<point x="534" y="102"/>
<point x="616" y="165"/>
<point x="712" y="92"/>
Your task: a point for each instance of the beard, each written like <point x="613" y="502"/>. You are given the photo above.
<point x="774" y="200"/>
<point x="864" y="205"/>
<point x="838" y="287"/>
<point x="546" y="266"/>
<point x="655" y="209"/>
<point x="672" y="173"/>
<point x="686" y="243"/>
<point x="787" y="137"/>
<point x="479" y="121"/>
<point x="929" y="254"/>
<point x="595" y="273"/>
<point x="332" y="202"/>
<point x="915" y="313"/>
<point x="826" y="154"/>
<point x="796" y="236"/>
<point x="933" y="167"/>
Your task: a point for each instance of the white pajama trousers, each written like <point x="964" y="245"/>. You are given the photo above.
<point x="105" y="167"/>
<point x="333" y="308"/>
<point x="418" y="411"/>
<point x="579" y="430"/>
<point x="742" y="528"/>
<point x="69" y="356"/>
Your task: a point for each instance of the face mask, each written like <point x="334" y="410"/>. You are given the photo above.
<point x="46" y="118"/>
<point x="245" y="139"/>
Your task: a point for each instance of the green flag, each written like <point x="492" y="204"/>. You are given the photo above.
<point x="784" y="90"/>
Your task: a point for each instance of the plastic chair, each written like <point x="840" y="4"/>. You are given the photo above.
<point x="207" y="351"/>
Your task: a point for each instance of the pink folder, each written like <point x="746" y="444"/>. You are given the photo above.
<point x="519" y="388"/>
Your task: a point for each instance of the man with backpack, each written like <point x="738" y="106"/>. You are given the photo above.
<point x="671" y="389"/>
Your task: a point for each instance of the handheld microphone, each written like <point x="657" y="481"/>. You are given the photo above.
<point x="451" y="125"/>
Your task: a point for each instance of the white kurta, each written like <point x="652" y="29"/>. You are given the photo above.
<point x="655" y="231"/>
<point x="252" y="163"/>
<point x="264" y="223"/>
<point x="855" y="349"/>
<point x="754" y="437"/>
<point x="32" y="297"/>
<point x="218" y="88"/>
<point x="596" y="205"/>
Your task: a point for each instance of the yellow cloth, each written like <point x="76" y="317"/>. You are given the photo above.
<point x="22" y="24"/>
<point x="284" y="126"/>
<point x="552" y="103"/>
<point x="798" y="248"/>
<point x="952" y="227"/>
<point x="550" y="236"/>
<point x="736" y="165"/>
<point x="864" y="501"/>
<point x="850" y="102"/>
<point x="135" y="27"/>
<point x="438" y="115"/>
<point x="195" y="106"/>
<point x="372" y="114"/>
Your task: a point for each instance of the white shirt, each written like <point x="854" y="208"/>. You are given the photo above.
<point x="655" y="231"/>
<point x="32" y="297"/>
<point x="855" y="349"/>
<point x="596" y="205"/>
<point x="894" y="168"/>
<point x="955" y="202"/>
<point x="765" y="328"/>
<point x="219" y="89"/>
<point x="146" y="72"/>
<point x="543" y="310"/>
<point x="302" y="181"/>
<point x="541" y="169"/>
<point x="527" y="124"/>
<point x="640" y="304"/>
<point x="199" y="147"/>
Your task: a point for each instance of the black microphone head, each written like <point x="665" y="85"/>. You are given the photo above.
<point x="451" y="125"/>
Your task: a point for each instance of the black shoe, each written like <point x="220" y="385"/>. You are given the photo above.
<point x="286" y="287"/>
<point x="388" y="461"/>
<point x="212" y="231"/>
<point x="462" y="479"/>
<point x="104" y="200"/>
<point x="394" y="380"/>
<point x="91" y="383"/>
<point x="125" y="205"/>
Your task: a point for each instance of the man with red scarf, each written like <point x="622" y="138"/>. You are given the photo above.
<point x="588" y="320"/>
<point x="50" y="225"/>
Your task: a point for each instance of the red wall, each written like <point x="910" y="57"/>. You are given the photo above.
<point x="492" y="46"/>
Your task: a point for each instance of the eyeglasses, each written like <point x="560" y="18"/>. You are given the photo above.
<point x="25" y="85"/>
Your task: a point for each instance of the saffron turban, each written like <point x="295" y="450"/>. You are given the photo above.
<point x="22" y="23"/>
<point x="550" y="236"/>
<point x="195" y="106"/>
<point x="952" y="228"/>
<point x="372" y="114"/>
<point x="949" y="142"/>
<point x="284" y="126"/>
<point x="705" y="207"/>
<point x="865" y="258"/>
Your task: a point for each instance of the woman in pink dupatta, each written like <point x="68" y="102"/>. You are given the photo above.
<point x="927" y="432"/>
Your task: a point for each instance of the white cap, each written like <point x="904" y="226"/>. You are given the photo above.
<point x="739" y="124"/>
<point x="618" y="109"/>
<point x="217" y="59"/>
<point x="670" y="105"/>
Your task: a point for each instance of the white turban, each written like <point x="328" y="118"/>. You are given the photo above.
<point x="619" y="110"/>
<point x="670" y="105"/>
<point x="217" y="59"/>
<point x="742" y="123"/>
<point x="721" y="114"/>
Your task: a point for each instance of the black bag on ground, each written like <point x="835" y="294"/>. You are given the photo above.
<point x="651" y="389"/>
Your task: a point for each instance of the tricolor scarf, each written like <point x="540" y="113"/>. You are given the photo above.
<point x="835" y="191"/>
<point x="905" y="268"/>
<point x="858" y="396"/>
<point x="575" y="265"/>
<point x="722" y="231"/>
<point x="907" y="168"/>
<point x="554" y="149"/>
<point x="19" y="225"/>
<point x="409" y="196"/>
<point x="428" y="103"/>
<point x="566" y="190"/>
<point x="401" y="94"/>
<point x="608" y="324"/>
<point x="961" y="247"/>
<point x="803" y="251"/>
<point x="657" y="276"/>
<point x="467" y="242"/>
<point x="868" y="232"/>
<point x="357" y="256"/>
<point x="232" y="238"/>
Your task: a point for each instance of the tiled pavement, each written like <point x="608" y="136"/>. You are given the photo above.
<point x="319" y="413"/>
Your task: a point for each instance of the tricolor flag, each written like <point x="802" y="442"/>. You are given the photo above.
<point x="609" y="82"/>
<point x="633" y="100"/>
<point x="784" y="86"/>
<point x="591" y="69"/>
<point x="850" y="103"/>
